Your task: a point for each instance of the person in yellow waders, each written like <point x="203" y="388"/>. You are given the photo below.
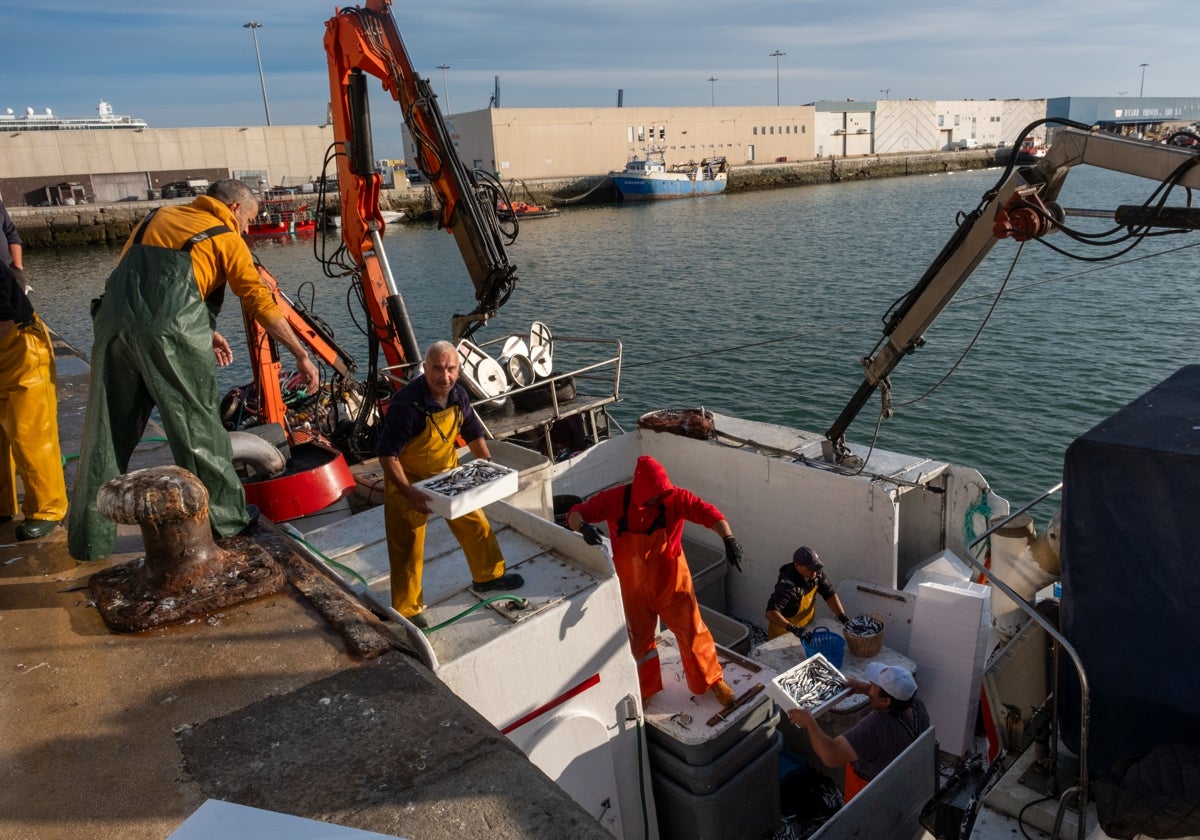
<point x="792" y="605"/>
<point x="28" y="415"/>
<point x="645" y="519"/>
<point x="418" y="441"/>
<point x="156" y="346"/>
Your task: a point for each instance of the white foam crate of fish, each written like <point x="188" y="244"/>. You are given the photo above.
<point x="814" y="684"/>
<point x="452" y="505"/>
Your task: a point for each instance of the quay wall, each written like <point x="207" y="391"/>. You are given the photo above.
<point x="98" y="224"/>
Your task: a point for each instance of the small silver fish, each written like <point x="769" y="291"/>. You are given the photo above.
<point x="464" y="478"/>
<point x="811" y="685"/>
<point x="863" y="625"/>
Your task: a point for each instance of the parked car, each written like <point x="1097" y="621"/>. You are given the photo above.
<point x="185" y="189"/>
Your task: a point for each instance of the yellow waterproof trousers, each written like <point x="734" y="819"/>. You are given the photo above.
<point x="29" y="425"/>
<point x="432" y="452"/>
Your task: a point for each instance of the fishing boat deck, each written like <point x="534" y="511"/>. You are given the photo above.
<point x="358" y="547"/>
<point x="127" y="735"/>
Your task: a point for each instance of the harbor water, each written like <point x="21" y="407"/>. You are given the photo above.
<point x="761" y="305"/>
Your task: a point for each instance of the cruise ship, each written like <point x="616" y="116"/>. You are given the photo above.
<point x="47" y="121"/>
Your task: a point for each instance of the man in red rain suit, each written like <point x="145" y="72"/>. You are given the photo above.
<point x="645" y="520"/>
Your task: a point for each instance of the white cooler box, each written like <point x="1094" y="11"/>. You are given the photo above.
<point x="454" y="506"/>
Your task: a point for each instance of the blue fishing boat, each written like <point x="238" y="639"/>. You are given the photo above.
<point x="650" y="178"/>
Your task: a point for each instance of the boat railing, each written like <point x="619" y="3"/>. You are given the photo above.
<point x="1080" y="789"/>
<point x="606" y="371"/>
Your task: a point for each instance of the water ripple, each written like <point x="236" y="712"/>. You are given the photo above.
<point x="814" y="266"/>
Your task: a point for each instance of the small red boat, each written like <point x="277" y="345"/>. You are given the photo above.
<point x="282" y="217"/>
<point x="508" y="211"/>
<point x="1032" y="150"/>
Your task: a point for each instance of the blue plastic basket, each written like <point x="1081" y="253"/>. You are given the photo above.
<point x="828" y="644"/>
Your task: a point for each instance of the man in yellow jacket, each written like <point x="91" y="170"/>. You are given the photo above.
<point x="156" y="346"/>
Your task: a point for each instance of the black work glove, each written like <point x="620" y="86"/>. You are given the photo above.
<point x="845" y="619"/>
<point x="800" y="633"/>
<point x="591" y="534"/>
<point x="733" y="552"/>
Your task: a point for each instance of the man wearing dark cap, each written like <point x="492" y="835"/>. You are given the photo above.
<point x="896" y="719"/>
<point x="792" y="605"/>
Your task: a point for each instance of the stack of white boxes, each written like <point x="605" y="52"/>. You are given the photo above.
<point x="950" y="632"/>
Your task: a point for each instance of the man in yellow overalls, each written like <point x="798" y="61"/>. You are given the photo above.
<point x="28" y="415"/>
<point x="792" y="605"/>
<point x="418" y="441"/>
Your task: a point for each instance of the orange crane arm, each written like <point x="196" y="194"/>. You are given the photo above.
<point x="264" y="354"/>
<point x="364" y="41"/>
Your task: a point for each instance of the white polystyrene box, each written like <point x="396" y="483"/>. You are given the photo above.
<point x="943" y="567"/>
<point x="452" y="507"/>
<point x="784" y="697"/>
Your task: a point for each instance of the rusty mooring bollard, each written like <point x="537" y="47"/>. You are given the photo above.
<point x="184" y="574"/>
<point x="171" y="506"/>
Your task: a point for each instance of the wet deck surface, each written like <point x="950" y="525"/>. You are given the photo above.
<point x="125" y="736"/>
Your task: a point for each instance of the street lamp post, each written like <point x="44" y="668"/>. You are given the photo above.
<point x="775" y="55"/>
<point x="1143" y="87"/>
<point x="886" y="92"/>
<point x="445" y="87"/>
<point x="254" y="26"/>
<point x="712" y="87"/>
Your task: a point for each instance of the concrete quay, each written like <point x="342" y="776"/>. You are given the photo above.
<point x="263" y="704"/>
<point x="97" y="224"/>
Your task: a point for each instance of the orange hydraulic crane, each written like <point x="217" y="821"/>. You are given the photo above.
<point x="365" y="40"/>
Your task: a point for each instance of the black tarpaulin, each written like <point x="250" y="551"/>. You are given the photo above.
<point x="1131" y="574"/>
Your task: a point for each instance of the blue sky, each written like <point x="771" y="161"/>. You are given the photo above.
<point x="192" y="63"/>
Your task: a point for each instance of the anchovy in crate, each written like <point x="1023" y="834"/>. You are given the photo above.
<point x="464" y="478"/>
<point x="814" y="682"/>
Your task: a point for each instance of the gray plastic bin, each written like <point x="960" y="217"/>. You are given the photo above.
<point x="706" y="778"/>
<point x="701" y="747"/>
<point x="708" y="567"/>
<point x="745" y="806"/>
<point x="728" y="632"/>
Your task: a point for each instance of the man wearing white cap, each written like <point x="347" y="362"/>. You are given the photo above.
<point x="897" y="717"/>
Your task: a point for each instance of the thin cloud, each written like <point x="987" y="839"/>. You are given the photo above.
<point x="194" y="64"/>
